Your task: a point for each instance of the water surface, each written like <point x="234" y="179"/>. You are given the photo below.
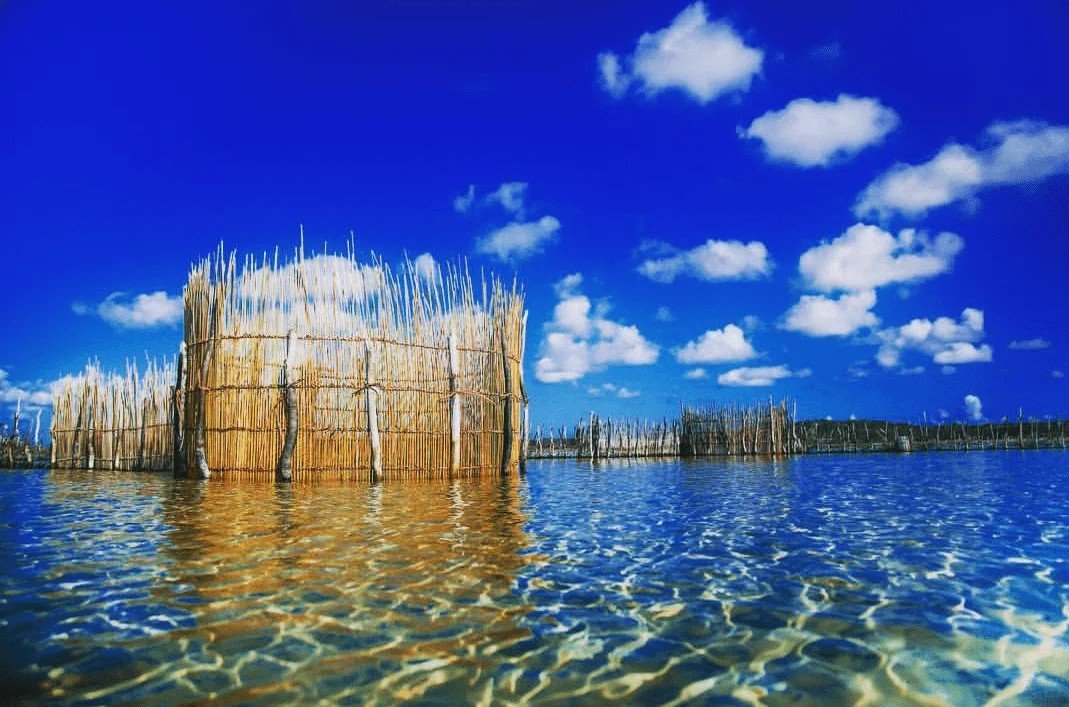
<point x="915" y="579"/>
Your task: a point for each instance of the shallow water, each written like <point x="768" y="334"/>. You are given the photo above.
<point x="915" y="579"/>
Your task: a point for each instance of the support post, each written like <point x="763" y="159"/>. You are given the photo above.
<point x="37" y="430"/>
<point x="284" y="469"/>
<point x="372" y="411"/>
<point x="200" y="453"/>
<point x="506" y="427"/>
<point x="18" y="414"/>
<point x="178" y="452"/>
<point x="454" y="407"/>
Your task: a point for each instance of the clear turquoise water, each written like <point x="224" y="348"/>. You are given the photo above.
<point x="915" y="579"/>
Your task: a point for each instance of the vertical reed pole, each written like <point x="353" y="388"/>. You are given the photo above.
<point x="178" y="452"/>
<point x="199" y="452"/>
<point x="18" y="414"/>
<point x="372" y="411"/>
<point x="454" y="407"/>
<point x="37" y="430"/>
<point x="52" y="441"/>
<point x="284" y="468"/>
<point x="506" y="428"/>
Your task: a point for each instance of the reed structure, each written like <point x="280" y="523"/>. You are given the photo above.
<point x="105" y="420"/>
<point x="324" y="366"/>
<point x="711" y="430"/>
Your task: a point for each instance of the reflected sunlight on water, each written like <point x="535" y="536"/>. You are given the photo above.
<point x="937" y="579"/>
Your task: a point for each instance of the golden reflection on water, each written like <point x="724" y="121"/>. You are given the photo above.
<point x="326" y="590"/>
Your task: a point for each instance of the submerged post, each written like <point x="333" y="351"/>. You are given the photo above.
<point x="454" y="407"/>
<point x="178" y="452"/>
<point x="284" y="469"/>
<point x="18" y="414"/>
<point x="506" y="427"/>
<point x="200" y="453"/>
<point x="372" y="411"/>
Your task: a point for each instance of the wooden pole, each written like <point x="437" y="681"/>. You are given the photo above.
<point x="200" y="454"/>
<point x="37" y="430"/>
<point x="178" y="451"/>
<point x="506" y="427"/>
<point x="372" y="411"/>
<point x="18" y="414"/>
<point x="284" y="469"/>
<point x="454" y="407"/>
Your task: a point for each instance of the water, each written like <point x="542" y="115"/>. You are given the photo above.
<point x="916" y="579"/>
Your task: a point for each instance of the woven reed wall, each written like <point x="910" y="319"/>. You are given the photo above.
<point x="350" y="319"/>
<point x="105" y="420"/>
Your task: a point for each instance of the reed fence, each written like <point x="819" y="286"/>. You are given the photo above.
<point x="699" y="431"/>
<point x="325" y="366"/>
<point x="105" y="420"/>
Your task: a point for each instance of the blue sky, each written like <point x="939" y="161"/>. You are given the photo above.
<point x="862" y="206"/>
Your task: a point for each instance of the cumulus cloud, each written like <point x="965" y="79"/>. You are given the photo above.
<point x="817" y="315"/>
<point x="705" y="59"/>
<point x="32" y="394"/>
<point x="696" y="374"/>
<point x="717" y="346"/>
<point x="142" y="311"/>
<point x="581" y="339"/>
<point x="866" y="257"/>
<point x="712" y="261"/>
<point x="609" y="389"/>
<point x="758" y="376"/>
<point x="1030" y="344"/>
<point x="973" y="408"/>
<point x="948" y="342"/>
<point x="426" y="267"/>
<point x="809" y="133"/>
<point x="1009" y="153"/>
<point x="519" y="239"/>
<point x="510" y="195"/>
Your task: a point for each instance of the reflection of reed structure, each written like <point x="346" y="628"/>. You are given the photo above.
<point x="324" y="365"/>
<point x="700" y="431"/>
<point x="114" y="421"/>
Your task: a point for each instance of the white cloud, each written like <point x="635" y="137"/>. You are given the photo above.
<point x="696" y="374"/>
<point x="948" y="371"/>
<point x="703" y="58"/>
<point x="963" y="352"/>
<point x="866" y="257"/>
<point x="142" y="312"/>
<point x="510" y="196"/>
<point x="465" y="201"/>
<point x="717" y="346"/>
<point x="712" y="261"/>
<point x="581" y="340"/>
<point x="610" y="389"/>
<point x="1010" y="153"/>
<point x="1030" y="344"/>
<point x="613" y="77"/>
<point x="1057" y="374"/>
<point x="945" y="340"/>
<point x="974" y="408"/>
<point x="426" y="267"/>
<point x="519" y="240"/>
<point x="759" y="376"/>
<point x="33" y="394"/>
<point x="809" y="133"/>
<point x="817" y="315"/>
<point x="913" y="371"/>
<point x="664" y="314"/>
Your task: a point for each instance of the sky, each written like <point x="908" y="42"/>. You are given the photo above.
<point x="861" y="206"/>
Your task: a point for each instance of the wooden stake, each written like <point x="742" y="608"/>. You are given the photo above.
<point x="454" y="407"/>
<point x="372" y="412"/>
<point x="284" y="469"/>
<point x="506" y="427"/>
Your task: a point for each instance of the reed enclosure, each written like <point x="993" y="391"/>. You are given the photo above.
<point x="324" y="366"/>
<point x="105" y="420"/>
<point x="700" y="431"/>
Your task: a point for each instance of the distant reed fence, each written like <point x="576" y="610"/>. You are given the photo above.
<point x="711" y="430"/>
<point x="20" y="449"/>
<point x="103" y="420"/>
<point x="834" y="436"/>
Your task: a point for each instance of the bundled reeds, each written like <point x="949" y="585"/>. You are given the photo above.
<point x="104" y="420"/>
<point x="326" y="366"/>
